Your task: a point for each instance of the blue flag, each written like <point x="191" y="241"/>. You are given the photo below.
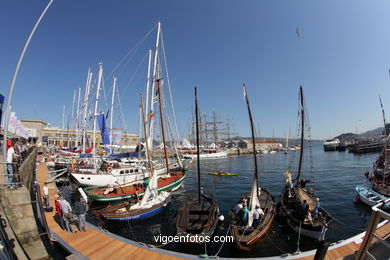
<point x="1" y="106"/>
<point x="103" y="130"/>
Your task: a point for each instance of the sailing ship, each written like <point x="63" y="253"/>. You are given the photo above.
<point x="378" y="187"/>
<point x="209" y="139"/>
<point x="152" y="201"/>
<point x="124" y="192"/>
<point x="308" y="219"/>
<point x="198" y="216"/>
<point x="246" y="235"/>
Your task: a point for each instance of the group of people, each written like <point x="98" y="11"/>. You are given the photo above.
<point x="17" y="151"/>
<point x="65" y="213"/>
<point x="303" y="210"/>
<point x="242" y="213"/>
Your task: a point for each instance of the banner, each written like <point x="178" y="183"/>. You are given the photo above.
<point x="15" y="127"/>
<point x="1" y="106"/>
<point x="116" y="137"/>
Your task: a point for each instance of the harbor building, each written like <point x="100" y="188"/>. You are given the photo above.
<point x="262" y="145"/>
<point x="52" y="135"/>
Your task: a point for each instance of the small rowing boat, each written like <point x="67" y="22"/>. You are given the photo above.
<point x="223" y="173"/>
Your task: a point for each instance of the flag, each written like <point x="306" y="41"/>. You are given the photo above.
<point x="1" y="106"/>
<point x="297" y="31"/>
<point x="150" y="116"/>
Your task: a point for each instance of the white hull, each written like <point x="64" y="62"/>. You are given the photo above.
<point x="105" y="179"/>
<point x="209" y="155"/>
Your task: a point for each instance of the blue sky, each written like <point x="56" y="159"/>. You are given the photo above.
<point x="342" y="58"/>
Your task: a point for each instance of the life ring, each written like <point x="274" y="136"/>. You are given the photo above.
<point x="109" y="169"/>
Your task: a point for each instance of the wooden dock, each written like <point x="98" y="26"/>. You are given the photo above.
<point x="347" y="248"/>
<point x="99" y="244"/>
<point x="94" y="243"/>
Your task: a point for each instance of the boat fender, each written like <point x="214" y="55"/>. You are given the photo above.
<point x="221" y="218"/>
<point x="109" y="169"/>
<point x="357" y="197"/>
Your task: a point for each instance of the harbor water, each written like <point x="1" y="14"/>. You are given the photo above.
<point x="334" y="176"/>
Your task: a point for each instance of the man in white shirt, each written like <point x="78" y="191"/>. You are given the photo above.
<point x="66" y="211"/>
<point x="10" y="156"/>
<point x="238" y="207"/>
<point x="257" y="214"/>
<point x="46" y="195"/>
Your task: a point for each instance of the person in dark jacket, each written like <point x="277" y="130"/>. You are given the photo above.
<point x="80" y="208"/>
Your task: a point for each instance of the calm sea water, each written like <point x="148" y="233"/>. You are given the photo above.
<point x="334" y="176"/>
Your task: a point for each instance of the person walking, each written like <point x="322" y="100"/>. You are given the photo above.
<point x="80" y="207"/>
<point x="46" y="195"/>
<point x="58" y="211"/>
<point x="67" y="214"/>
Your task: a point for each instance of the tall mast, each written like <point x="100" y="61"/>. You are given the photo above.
<point x="162" y="124"/>
<point x="77" y="126"/>
<point x="256" y="176"/>
<point x="215" y="128"/>
<point x="146" y="138"/>
<point x="148" y="83"/>
<point x="148" y="86"/>
<point x="386" y="142"/>
<point x="197" y="140"/>
<point x="63" y="126"/>
<point x="95" y="111"/>
<point x="72" y="115"/>
<point x="302" y="134"/>
<point x="155" y="76"/>
<point x="112" y="111"/>
<point x="86" y="97"/>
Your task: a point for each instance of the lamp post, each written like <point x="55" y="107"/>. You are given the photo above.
<point x="7" y="110"/>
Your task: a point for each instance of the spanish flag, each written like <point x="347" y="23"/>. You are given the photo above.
<point x="150" y="116"/>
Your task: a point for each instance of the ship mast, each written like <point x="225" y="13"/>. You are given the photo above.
<point x="112" y="112"/>
<point x="302" y="134"/>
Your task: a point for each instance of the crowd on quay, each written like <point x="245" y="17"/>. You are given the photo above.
<point x="17" y="152"/>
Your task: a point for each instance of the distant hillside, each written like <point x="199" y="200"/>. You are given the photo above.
<point x="369" y="134"/>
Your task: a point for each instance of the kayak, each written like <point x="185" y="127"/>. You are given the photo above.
<point x="223" y="173"/>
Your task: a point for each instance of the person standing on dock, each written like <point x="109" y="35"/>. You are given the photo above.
<point x="58" y="211"/>
<point x="46" y="195"/>
<point x="80" y="207"/>
<point x="67" y="213"/>
<point x="11" y="155"/>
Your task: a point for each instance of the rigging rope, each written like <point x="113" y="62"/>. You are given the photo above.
<point x="223" y="243"/>
<point x="169" y="88"/>
<point x="360" y="229"/>
<point x="123" y="122"/>
<point x="136" y="71"/>
<point x="282" y="251"/>
<point x="132" y="50"/>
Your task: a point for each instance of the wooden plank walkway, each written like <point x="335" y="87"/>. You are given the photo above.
<point x="348" y="247"/>
<point x="95" y="244"/>
<point x="92" y="244"/>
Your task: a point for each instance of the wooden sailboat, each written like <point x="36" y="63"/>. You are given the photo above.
<point x="380" y="177"/>
<point x="198" y="216"/>
<point x="246" y="235"/>
<point x="313" y="221"/>
<point x="378" y="189"/>
<point x="152" y="201"/>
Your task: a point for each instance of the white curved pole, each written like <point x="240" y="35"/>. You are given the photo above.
<point x="6" y="116"/>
